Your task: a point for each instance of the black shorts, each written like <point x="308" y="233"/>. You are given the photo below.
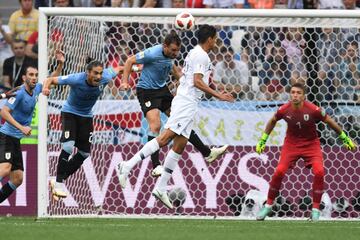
<point x="78" y="129"/>
<point x="154" y="98"/>
<point x="10" y="151"/>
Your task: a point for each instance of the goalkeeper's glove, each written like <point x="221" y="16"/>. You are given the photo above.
<point x="348" y="143"/>
<point x="260" y="146"/>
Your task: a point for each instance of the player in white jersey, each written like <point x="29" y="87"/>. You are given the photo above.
<point x="185" y="103"/>
<point x="195" y="81"/>
<point x="154" y="95"/>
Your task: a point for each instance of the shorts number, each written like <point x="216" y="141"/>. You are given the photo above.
<point x="299" y="124"/>
<point x="91" y="137"/>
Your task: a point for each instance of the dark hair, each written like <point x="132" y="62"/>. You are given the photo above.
<point x="19" y="41"/>
<point x="29" y="66"/>
<point x="92" y="64"/>
<point x="172" y="37"/>
<point x="205" y="32"/>
<point x="299" y="85"/>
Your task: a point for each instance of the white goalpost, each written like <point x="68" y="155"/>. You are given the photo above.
<point x="270" y="50"/>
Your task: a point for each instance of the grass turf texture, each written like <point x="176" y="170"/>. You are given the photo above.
<point x="158" y="229"/>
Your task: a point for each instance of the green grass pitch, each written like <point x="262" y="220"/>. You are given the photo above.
<point x="157" y="229"/>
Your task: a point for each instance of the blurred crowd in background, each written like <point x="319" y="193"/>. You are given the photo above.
<point x="253" y="63"/>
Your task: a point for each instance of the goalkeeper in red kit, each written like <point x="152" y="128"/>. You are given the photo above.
<point x="301" y="141"/>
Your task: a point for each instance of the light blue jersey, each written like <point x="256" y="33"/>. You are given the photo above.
<point x="156" y="68"/>
<point x="83" y="96"/>
<point x="22" y="108"/>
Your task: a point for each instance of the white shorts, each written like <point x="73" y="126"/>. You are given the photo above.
<point x="181" y="120"/>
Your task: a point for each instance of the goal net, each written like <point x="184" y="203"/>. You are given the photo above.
<point x="257" y="57"/>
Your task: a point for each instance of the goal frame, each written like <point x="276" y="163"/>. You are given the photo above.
<point x="44" y="13"/>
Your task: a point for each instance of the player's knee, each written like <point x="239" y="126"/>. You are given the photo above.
<point x="178" y="148"/>
<point x="155" y="128"/>
<point x="5" y="169"/>
<point x="17" y="179"/>
<point x="319" y="172"/>
<point x="280" y="171"/>
<point x="162" y="141"/>
<point x="68" y="146"/>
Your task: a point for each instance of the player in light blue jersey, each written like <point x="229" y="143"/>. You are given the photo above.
<point x="17" y="113"/>
<point x="76" y="114"/>
<point x="153" y="93"/>
<point x="184" y="108"/>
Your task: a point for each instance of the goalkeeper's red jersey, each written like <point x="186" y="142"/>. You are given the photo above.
<point x="301" y="130"/>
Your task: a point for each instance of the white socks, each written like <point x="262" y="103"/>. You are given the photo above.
<point x="148" y="149"/>
<point x="171" y="161"/>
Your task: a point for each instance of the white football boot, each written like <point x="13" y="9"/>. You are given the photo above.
<point x="57" y="190"/>
<point x="162" y="197"/>
<point x="156" y="172"/>
<point x="122" y="175"/>
<point x="216" y="153"/>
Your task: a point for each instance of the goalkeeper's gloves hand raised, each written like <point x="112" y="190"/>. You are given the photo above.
<point x="260" y="146"/>
<point x="348" y="143"/>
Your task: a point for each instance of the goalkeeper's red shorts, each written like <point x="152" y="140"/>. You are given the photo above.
<point x="310" y="153"/>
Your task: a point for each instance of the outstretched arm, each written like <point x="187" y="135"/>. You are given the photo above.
<point x="60" y="58"/>
<point x="270" y="125"/>
<point x="348" y="143"/>
<point x="176" y="72"/>
<point x="127" y="69"/>
<point x="118" y="69"/>
<point x="199" y="83"/>
<point x="260" y="146"/>
<point x="48" y="83"/>
<point x="329" y="121"/>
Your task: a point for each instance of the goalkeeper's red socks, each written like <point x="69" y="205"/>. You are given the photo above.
<point x="318" y="184"/>
<point x="275" y="183"/>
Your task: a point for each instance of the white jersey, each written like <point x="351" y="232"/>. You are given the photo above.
<point x="197" y="61"/>
<point x="184" y="104"/>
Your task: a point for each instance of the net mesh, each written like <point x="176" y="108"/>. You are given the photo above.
<point x="256" y="59"/>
